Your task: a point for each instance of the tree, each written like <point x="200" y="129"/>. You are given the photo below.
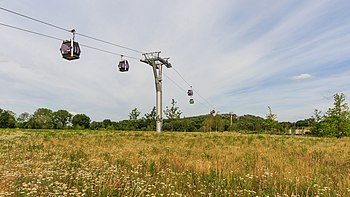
<point x="231" y="121"/>
<point x="316" y="123"/>
<point x="61" y="119"/>
<point x="249" y="123"/>
<point x="128" y="125"/>
<point x="108" y="124"/>
<point x="150" y="119"/>
<point x="96" y="125"/>
<point x="285" y="127"/>
<point x="81" y="121"/>
<point x="187" y="125"/>
<point x="23" y="119"/>
<point x="42" y="119"/>
<point x="270" y="121"/>
<point x="134" y="114"/>
<point x="7" y="119"/>
<point x="152" y="115"/>
<point x="173" y="112"/>
<point x="207" y="123"/>
<point x="337" y="119"/>
<point x="304" y="123"/>
<point x="219" y="123"/>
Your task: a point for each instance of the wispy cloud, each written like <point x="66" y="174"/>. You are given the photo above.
<point x="301" y="77"/>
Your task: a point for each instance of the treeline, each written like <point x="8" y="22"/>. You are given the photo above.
<point x="44" y="118"/>
<point x="335" y="122"/>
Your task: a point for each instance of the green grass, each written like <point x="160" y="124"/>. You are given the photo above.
<point x="105" y="163"/>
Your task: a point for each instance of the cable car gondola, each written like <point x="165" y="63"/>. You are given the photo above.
<point x="190" y="92"/>
<point x="123" y="65"/>
<point x="70" y="49"/>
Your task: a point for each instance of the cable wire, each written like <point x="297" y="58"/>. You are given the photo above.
<point x="182" y="77"/>
<point x="212" y="107"/>
<point x="33" y="19"/>
<point x="55" y="38"/>
<point x="193" y="89"/>
<point x="109" y="52"/>
<point x="185" y="90"/>
<point x="110" y="43"/>
<point x="67" y="30"/>
<point x="28" y="31"/>
<point x="174" y="82"/>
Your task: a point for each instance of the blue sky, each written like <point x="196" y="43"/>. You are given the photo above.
<point x="240" y="56"/>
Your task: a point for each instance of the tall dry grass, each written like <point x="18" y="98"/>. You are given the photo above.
<point x="91" y="163"/>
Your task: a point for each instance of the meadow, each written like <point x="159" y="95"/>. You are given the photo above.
<point x="114" y="163"/>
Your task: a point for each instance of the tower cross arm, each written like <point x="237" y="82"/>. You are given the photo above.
<point x="165" y="62"/>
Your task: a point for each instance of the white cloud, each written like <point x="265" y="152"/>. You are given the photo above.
<point x="301" y="77"/>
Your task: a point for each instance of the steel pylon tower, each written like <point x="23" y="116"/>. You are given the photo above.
<point x="156" y="62"/>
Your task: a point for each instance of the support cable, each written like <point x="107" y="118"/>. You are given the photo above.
<point x="28" y="31"/>
<point x="182" y="77"/>
<point x="110" y="43"/>
<point x="174" y="82"/>
<point x="185" y="91"/>
<point x="67" y="30"/>
<point x="193" y="89"/>
<point x="55" y="38"/>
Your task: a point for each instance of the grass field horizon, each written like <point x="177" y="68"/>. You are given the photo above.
<point x="118" y="163"/>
